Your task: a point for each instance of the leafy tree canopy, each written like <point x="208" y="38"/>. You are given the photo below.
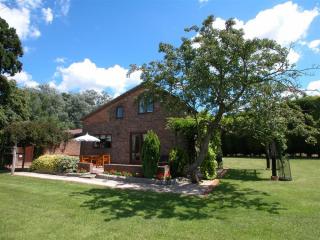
<point x="10" y="50"/>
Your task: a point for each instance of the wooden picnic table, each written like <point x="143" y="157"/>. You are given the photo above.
<point x="98" y="160"/>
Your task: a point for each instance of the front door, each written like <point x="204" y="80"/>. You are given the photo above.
<point x="136" y="146"/>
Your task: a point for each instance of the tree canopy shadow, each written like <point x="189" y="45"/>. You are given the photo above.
<point x="118" y="204"/>
<point x="244" y="175"/>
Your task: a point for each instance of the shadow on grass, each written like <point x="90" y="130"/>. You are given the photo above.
<point x="4" y="170"/>
<point x="244" y="175"/>
<point x="119" y="204"/>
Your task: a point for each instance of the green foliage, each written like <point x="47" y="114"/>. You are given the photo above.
<point x="13" y="103"/>
<point x="187" y="126"/>
<point x="13" y="107"/>
<point x="10" y="50"/>
<point x="310" y="105"/>
<point x="54" y="164"/>
<point x="42" y="133"/>
<point x="45" y="164"/>
<point x="150" y="154"/>
<point x="270" y="119"/>
<point x="209" y="165"/>
<point x="178" y="160"/>
<point x="67" y="164"/>
<point x="68" y="108"/>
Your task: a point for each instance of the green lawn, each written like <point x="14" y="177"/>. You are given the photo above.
<point x="245" y="206"/>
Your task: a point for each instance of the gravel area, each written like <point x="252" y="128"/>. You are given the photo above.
<point x="181" y="188"/>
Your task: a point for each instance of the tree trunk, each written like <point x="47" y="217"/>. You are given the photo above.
<point x="204" y="146"/>
<point x="194" y="168"/>
<point x="14" y="158"/>
<point x="274" y="159"/>
<point x="268" y="156"/>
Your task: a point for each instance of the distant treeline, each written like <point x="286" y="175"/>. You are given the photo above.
<point x="68" y="108"/>
<point x="244" y="144"/>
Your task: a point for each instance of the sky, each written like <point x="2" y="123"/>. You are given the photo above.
<point x="75" y="45"/>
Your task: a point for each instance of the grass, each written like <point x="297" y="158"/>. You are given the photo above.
<point x="246" y="205"/>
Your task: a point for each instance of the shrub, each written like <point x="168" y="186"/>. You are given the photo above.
<point x="45" y="164"/>
<point x="209" y="165"/>
<point x="150" y="154"/>
<point x="67" y="164"/>
<point x="54" y="164"/>
<point x="178" y="160"/>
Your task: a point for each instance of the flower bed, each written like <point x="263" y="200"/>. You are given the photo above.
<point x="163" y="172"/>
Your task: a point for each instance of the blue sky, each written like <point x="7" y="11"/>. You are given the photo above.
<point x="88" y="44"/>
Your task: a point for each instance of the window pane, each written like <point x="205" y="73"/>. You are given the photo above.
<point x="108" y="142"/>
<point x="119" y="112"/>
<point x="141" y="106"/>
<point x="149" y="105"/>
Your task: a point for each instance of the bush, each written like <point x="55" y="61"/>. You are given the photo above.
<point x="54" y="164"/>
<point x="178" y="160"/>
<point x="150" y="154"/>
<point x="67" y="164"/>
<point x="45" y="164"/>
<point x="209" y="165"/>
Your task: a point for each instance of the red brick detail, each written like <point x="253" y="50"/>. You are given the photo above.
<point x="71" y="148"/>
<point x="163" y="172"/>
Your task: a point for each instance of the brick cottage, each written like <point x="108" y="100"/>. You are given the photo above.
<point x="121" y="125"/>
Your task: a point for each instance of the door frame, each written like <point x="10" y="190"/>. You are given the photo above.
<point x="135" y="162"/>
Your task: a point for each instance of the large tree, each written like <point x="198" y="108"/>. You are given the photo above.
<point x="12" y="102"/>
<point x="219" y="71"/>
<point x="10" y="50"/>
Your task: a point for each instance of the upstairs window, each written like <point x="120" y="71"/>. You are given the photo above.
<point x="119" y="112"/>
<point x="105" y="141"/>
<point x="146" y="105"/>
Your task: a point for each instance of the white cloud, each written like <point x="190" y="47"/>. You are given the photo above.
<point x="86" y="75"/>
<point x="19" y="18"/>
<point x="60" y="60"/>
<point x="293" y="56"/>
<point x="24" y="15"/>
<point x="64" y="6"/>
<point x="313" y="88"/>
<point x="31" y="4"/>
<point x="315" y="45"/>
<point x="24" y="79"/>
<point x="285" y="23"/>
<point x="47" y="15"/>
<point x="203" y="1"/>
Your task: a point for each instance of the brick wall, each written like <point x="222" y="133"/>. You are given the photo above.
<point x="104" y="121"/>
<point x="71" y="148"/>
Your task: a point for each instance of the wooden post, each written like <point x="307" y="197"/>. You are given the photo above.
<point x="24" y="157"/>
<point x="268" y="156"/>
<point x="14" y="158"/>
<point x="274" y="161"/>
